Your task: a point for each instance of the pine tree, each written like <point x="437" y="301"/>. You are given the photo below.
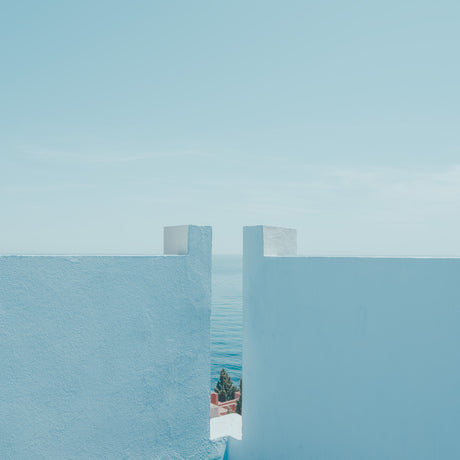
<point x="239" y="403"/>
<point x="225" y="388"/>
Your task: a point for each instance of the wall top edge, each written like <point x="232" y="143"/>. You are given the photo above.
<point x="365" y="257"/>
<point x="189" y="225"/>
<point x="269" y="227"/>
<point x="89" y="256"/>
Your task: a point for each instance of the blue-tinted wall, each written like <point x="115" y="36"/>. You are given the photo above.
<point x="107" y="357"/>
<point x="350" y="358"/>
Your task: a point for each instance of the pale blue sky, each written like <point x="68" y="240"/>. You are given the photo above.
<point x="341" y="119"/>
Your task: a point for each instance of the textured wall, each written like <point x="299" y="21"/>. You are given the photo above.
<point x="106" y="357"/>
<point x="350" y="358"/>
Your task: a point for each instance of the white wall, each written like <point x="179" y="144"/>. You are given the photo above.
<point x="107" y="357"/>
<point x="348" y="358"/>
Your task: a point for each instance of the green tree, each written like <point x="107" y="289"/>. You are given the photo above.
<point x="225" y="388"/>
<point x="239" y="403"/>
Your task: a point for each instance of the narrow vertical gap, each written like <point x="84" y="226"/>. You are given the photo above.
<point x="226" y="340"/>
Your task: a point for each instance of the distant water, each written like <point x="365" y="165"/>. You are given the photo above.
<point x="226" y="318"/>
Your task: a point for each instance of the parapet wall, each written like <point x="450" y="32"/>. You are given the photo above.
<point x="107" y="357"/>
<point x="350" y="358"/>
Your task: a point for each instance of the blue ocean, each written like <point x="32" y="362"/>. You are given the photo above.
<point x="226" y="317"/>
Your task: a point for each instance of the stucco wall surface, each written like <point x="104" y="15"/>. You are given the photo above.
<point x="106" y="357"/>
<point x="350" y="358"/>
